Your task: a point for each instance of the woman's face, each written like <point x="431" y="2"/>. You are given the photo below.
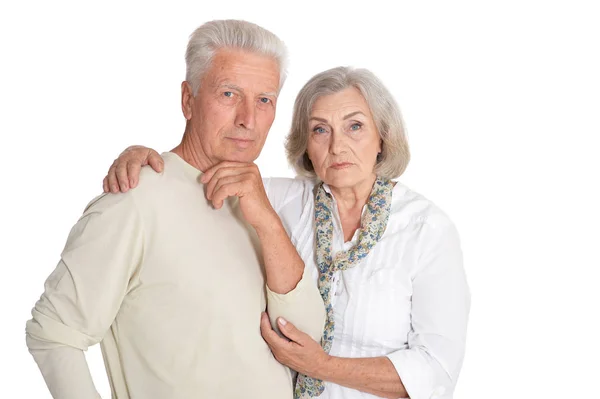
<point x="343" y="141"/>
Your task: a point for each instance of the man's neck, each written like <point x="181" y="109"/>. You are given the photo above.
<point x="191" y="152"/>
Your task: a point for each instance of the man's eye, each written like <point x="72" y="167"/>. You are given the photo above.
<point x="265" y="100"/>
<point x="228" y="94"/>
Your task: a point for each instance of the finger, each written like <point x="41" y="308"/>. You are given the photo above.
<point x="113" y="184"/>
<point x="215" y="174"/>
<point x="134" y="152"/>
<point x="216" y="184"/>
<point x="250" y="172"/>
<point x="266" y="330"/>
<point x="105" y="184"/>
<point x="122" y="179"/>
<point x="155" y="160"/>
<point x="290" y="331"/>
<point x="228" y="190"/>
<point x="208" y="174"/>
<point x="223" y="176"/>
<point x="233" y="189"/>
<point x="133" y="173"/>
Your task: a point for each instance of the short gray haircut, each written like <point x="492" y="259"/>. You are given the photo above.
<point x="234" y="34"/>
<point x="395" y="154"/>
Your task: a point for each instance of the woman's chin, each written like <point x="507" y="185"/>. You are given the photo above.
<point x="341" y="180"/>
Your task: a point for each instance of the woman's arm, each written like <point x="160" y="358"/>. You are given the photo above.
<point x="431" y="363"/>
<point x="375" y="375"/>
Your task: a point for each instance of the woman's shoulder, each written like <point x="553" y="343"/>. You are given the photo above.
<point x="283" y="190"/>
<point x="412" y="206"/>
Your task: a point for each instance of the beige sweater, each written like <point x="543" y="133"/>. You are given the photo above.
<point x="172" y="289"/>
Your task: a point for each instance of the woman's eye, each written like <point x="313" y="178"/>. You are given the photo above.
<point x="319" y="130"/>
<point x="355" y="126"/>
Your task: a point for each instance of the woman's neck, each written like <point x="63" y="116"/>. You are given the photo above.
<point x="350" y="203"/>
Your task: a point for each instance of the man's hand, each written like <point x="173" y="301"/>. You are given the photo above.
<point x="124" y="173"/>
<point x="242" y="180"/>
<point x="300" y="352"/>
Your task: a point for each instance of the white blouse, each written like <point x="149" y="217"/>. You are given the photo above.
<point x="408" y="299"/>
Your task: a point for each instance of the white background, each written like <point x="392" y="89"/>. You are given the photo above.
<point x="501" y="102"/>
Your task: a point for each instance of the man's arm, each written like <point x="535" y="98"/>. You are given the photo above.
<point x="291" y="293"/>
<point x="64" y="369"/>
<point x="84" y="293"/>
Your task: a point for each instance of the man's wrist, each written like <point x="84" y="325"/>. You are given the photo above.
<point x="269" y="224"/>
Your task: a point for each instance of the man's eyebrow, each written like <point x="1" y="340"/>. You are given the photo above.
<point x="231" y="86"/>
<point x="238" y="88"/>
<point x="269" y="93"/>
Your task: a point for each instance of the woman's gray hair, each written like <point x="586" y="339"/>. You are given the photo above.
<point x="214" y="35"/>
<point x="395" y="153"/>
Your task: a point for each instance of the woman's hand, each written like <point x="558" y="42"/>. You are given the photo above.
<point x="300" y="352"/>
<point x="124" y="173"/>
<point x="375" y="375"/>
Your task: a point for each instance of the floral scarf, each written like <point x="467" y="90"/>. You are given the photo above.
<point x="373" y="223"/>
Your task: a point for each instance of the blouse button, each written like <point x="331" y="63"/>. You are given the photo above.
<point x="339" y="288"/>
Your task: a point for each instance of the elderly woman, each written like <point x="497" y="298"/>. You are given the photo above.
<point x="387" y="260"/>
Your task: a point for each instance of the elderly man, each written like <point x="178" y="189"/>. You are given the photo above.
<point x="172" y="277"/>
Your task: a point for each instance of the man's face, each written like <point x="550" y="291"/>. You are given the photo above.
<point x="234" y="107"/>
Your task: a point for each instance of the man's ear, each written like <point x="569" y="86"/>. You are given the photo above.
<point x="187" y="100"/>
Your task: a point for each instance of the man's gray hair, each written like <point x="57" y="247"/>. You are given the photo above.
<point x="235" y="34"/>
<point x="395" y="153"/>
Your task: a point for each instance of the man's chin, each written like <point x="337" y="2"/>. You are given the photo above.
<point x="241" y="156"/>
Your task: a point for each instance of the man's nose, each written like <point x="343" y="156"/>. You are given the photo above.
<point x="246" y="114"/>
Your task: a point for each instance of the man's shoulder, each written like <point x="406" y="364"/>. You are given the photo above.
<point x="149" y="180"/>
<point x="106" y="201"/>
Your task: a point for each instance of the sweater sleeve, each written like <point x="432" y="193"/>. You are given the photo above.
<point x="83" y="294"/>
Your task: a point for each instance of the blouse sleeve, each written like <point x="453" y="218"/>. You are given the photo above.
<point x="430" y="366"/>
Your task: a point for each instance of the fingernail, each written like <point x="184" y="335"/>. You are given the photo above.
<point x="131" y="183"/>
<point x="282" y="321"/>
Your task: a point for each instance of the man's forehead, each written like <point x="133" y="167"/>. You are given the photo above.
<point x="245" y="82"/>
<point x="241" y="69"/>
